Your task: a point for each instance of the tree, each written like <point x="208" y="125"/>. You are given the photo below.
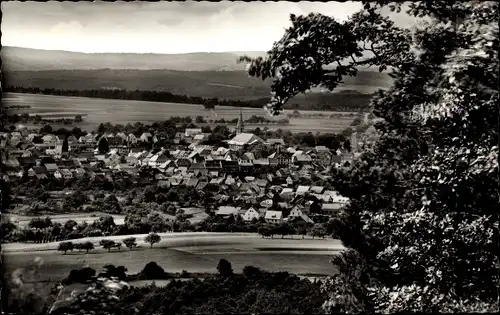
<point x="357" y="121"/>
<point x="87" y="246"/>
<point x="225" y="269"/>
<point x="285" y="229"/>
<point x="152" y="239"/>
<point x="78" y="119"/>
<point x="432" y="175"/>
<point x="103" y="145"/>
<point x="46" y="129"/>
<point x="107" y="244"/>
<point x="130" y="242"/>
<point x="65" y="246"/>
<point x="65" y="146"/>
<point x="39" y="223"/>
<point x="302" y="230"/>
<point x="109" y="271"/>
<point x="200" y="120"/>
<point x="318" y="230"/>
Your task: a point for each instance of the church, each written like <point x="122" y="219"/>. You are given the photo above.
<point x="241" y="138"/>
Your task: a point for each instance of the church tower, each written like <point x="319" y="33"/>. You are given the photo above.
<point x="239" y="125"/>
<point x="354" y="142"/>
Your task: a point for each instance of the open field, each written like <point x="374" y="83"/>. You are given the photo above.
<point x="22" y="220"/>
<point x="96" y="111"/>
<point x="193" y="252"/>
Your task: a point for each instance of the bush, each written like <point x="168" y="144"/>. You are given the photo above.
<point x="152" y="272"/>
<point x="79" y="276"/>
<point x="225" y="269"/>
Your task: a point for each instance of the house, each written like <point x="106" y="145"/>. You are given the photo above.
<point x="49" y="139"/>
<point x="229" y="180"/>
<point x="287" y="194"/>
<point x="175" y="181"/>
<point x="302" y="190"/>
<point x="298" y="213"/>
<point x="51" y="167"/>
<point x="317" y="189"/>
<point x="160" y="136"/>
<point x="199" y="138"/>
<point x="323" y="155"/>
<point x="64" y="173"/>
<point x="163" y="183"/>
<point x="242" y="139"/>
<point x="230" y="166"/>
<point x="158" y="159"/>
<point x="183" y="162"/>
<point x="146" y="137"/>
<point x="195" y="157"/>
<point x="274" y="217"/>
<point x="164" y="166"/>
<point x="132" y="139"/>
<point x="201" y="185"/>
<point x="36" y="170"/>
<point x="192" y="182"/>
<point x="261" y="163"/>
<point x="279" y="158"/>
<point x="331" y="208"/>
<point x="251" y="214"/>
<point x="246" y="159"/>
<point x="275" y="142"/>
<point x="226" y="211"/>
<point x="300" y="221"/>
<point x="58" y="174"/>
<point x="191" y="132"/>
<point x="267" y="203"/>
<point x="346" y="157"/>
<point x="262" y="183"/>
<point x="301" y="158"/>
<point x="79" y="172"/>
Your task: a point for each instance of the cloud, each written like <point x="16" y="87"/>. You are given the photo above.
<point x="161" y="27"/>
<point x="67" y="28"/>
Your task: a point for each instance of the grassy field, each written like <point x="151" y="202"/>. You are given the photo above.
<point x="96" y="111"/>
<point x="193" y="252"/>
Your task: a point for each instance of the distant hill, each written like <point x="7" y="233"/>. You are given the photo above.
<point x="22" y="59"/>
<point x="207" y="75"/>
<point x="220" y="84"/>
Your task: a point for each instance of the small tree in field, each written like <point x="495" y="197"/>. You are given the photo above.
<point x="130" y="242"/>
<point x="65" y="246"/>
<point x="107" y="244"/>
<point x="87" y="246"/>
<point x="152" y="239"/>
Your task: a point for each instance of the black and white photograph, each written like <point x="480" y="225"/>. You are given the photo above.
<point x="249" y="157"/>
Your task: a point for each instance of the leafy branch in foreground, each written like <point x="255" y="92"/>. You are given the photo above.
<point x="421" y="229"/>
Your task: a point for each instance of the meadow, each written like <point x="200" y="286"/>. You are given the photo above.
<point x="96" y="111"/>
<point x="193" y="252"/>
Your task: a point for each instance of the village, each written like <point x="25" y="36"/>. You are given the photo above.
<point x="290" y="185"/>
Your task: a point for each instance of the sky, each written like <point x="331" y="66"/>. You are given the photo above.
<point x="157" y="27"/>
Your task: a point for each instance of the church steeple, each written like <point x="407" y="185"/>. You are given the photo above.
<point x="239" y="125"/>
